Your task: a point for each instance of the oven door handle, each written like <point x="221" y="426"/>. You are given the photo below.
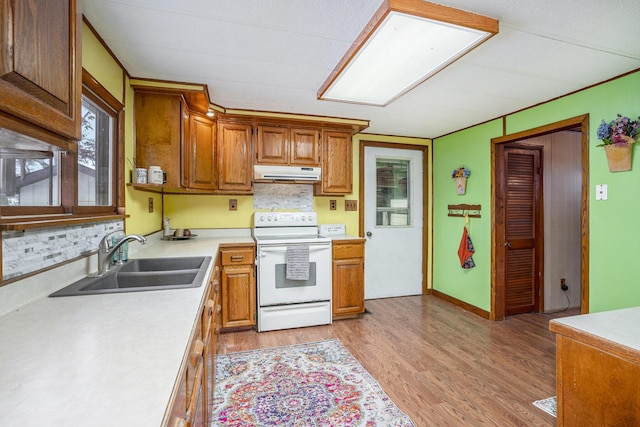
<point x="280" y="249"/>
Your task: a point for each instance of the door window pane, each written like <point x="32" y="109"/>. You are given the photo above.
<point x="29" y="178"/>
<point x="95" y="153"/>
<point x="393" y="202"/>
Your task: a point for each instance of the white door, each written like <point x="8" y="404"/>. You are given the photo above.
<point x="393" y="222"/>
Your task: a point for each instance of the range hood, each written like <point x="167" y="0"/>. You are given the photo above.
<point x="268" y="173"/>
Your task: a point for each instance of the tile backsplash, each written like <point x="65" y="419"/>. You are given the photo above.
<point x="35" y="249"/>
<point x="283" y="196"/>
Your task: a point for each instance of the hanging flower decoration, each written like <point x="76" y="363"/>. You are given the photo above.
<point x="461" y="172"/>
<point x="621" y="131"/>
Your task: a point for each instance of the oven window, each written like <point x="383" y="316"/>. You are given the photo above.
<point x="282" y="282"/>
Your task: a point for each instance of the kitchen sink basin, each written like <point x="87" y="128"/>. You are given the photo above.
<point x="144" y="274"/>
<point x="162" y="264"/>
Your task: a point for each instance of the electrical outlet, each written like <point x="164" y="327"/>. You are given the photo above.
<point x="350" y="205"/>
<point x="233" y="204"/>
<point x="332" y="205"/>
<point x="150" y="204"/>
<point x="563" y="284"/>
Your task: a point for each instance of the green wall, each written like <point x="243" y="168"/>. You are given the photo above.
<point x="469" y="148"/>
<point x="613" y="229"/>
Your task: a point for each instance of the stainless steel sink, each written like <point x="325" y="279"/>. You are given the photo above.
<point x="144" y="274"/>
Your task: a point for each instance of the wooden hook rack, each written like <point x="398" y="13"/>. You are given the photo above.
<point x="473" y="211"/>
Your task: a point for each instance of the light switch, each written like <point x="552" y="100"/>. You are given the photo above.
<point x="601" y="191"/>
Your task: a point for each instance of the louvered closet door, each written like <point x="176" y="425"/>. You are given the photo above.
<point x="521" y="217"/>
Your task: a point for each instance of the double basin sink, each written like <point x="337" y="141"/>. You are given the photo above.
<point x="144" y="274"/>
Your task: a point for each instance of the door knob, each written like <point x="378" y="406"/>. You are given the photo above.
<point x="369" y="234"/>
<point x="507" y="244"/>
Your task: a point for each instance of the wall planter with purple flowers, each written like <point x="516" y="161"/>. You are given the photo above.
<point x="617" y="138"/>
<point x="460" y="175"/>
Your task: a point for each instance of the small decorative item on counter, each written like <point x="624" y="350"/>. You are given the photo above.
<point x="180" y="234"/>
<point x="167" y="227"/>
<point x="460" y="175"/>
<point x="617" y="138"/>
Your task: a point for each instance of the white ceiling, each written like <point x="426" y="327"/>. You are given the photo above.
<point x="273" y="55"/>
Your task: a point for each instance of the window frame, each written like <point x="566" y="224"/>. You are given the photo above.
<point x="103" y="99"/>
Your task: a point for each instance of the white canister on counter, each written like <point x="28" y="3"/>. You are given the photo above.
<point x="155" y="175"/>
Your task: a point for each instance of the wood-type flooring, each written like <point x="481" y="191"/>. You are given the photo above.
<point x="441" y="364"/>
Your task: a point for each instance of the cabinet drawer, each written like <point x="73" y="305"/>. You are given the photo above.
<point x="348" y="250"/>
<point x="238" y="256"/>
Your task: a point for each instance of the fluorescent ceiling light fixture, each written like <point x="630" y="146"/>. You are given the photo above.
<point x="405" y="43"/>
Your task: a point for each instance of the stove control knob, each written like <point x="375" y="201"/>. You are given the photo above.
<point x="275" y="218"/>
<point x="310" y="217"/>
<point x="261" y="218"/>
<point x="303" y="218"/>
<point x="269" y="218"/>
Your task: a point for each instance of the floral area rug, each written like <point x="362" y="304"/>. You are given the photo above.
<point x="314" y="384"/>
<point x="548" y="405"/>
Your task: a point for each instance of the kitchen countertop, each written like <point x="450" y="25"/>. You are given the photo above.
<point x="342" y="237"/>
<point x="101" y="360"/>
<point x="617" y="326"/>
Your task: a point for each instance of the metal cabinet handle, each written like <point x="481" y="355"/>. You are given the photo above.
<point x="507" y="244"/>
<point x="369" y="234"/>
<point x="237" y="257"/>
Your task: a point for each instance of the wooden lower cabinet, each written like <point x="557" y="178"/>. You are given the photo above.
<point x="348" y="278"/>
<point x="238" y="286"/>
<point x="193" y="402"/>
<point x="596" y="378"/>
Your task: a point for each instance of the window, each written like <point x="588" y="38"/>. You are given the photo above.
<point x="99" y="150"/>
<point x="29" y="178"/>
<point x="83" y="182"/>
<point x="393" y="207"/>
<point x="95" y="153"/>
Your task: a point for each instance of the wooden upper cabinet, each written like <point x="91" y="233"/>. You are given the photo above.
<point x="272" y="145"/>
<point x="40" y="66"/>
<point x="201" y="153"/>
<point x="234" y="157"/>
<point x="337" y="164"/>
<point x="160" y="133"/>
<point x="305" y="147"/>
<point x="281" y="145"/>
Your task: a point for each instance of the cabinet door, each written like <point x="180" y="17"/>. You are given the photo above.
<point x="272" y="145"/>
<point x="213" y="305"/>
<point x="238" y="296"/>
<point x="185" y="146"/>
<point x="235" y="164"/>
<point x="336" y="164"/>
<point x="40" y="67"/>
<point x="160" y="133"/>
<point x="348" y="278"/>
<point x="348" y="286"/>
<point x="305" y="147"/>
<point x="202" y="153"/>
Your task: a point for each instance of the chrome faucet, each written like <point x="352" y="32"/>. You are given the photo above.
<point x="106" y="251"/>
